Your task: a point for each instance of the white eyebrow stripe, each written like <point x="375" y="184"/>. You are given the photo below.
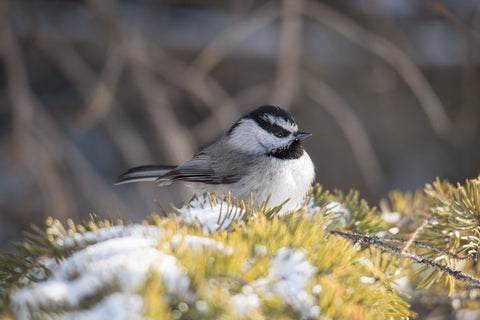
<point x="292" y="127"/>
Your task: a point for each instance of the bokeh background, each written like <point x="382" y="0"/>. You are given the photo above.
<point x="389" y="89"/>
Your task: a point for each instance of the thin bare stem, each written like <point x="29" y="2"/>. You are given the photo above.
<point x="352" y="128"/>
<point x="286" y="83"/>
<point x="80" y="75"/>
<point x="171" y="134"/>
<point x="50" y="138"/>
<point x="391" y="54"/>
<point x="102" y="97"/>
<point x="212" y="54"/>
<point x="377" y="242"/>
<point x="40" y="153"/>
<point x="413" y="236"/>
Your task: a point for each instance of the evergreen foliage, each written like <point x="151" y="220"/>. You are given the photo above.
<point x="256" y="264"/>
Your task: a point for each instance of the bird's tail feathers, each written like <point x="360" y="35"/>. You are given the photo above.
<point x="145" y="173"/>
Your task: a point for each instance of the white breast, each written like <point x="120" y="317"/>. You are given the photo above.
<point x="292" y="179"/>
<point x="281" y="179"/>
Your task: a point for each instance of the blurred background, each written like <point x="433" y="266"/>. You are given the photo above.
<point x="389" y="89"/>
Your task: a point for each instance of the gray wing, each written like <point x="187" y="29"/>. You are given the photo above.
<point x="216" y="164"/>
<point x="144" y="173"/>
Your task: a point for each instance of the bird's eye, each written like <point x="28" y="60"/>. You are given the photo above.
<point x="281" y="134"/>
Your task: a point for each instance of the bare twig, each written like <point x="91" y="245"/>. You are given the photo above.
<point x="427" y="246"/>
<point x="377" y="242"/>
<point x="39" y="159"/>
<point x="286" y="83"/>
<point x="254" y="94"/>
<point x="193" y="79"/>
<point x="170" y="132"/>
<point x="351" y="127"/>
<point x="212" y="54"/>
<point x="391" y="54"/>
<point x="103" y="96"/>
<point x="442" y="10"/>
<point x="49" y="138"/>
<point x="98" y="92"/>
<point x="210" y="92"/>
<point x="80" y="75"/>
<point x="413" y="236"/>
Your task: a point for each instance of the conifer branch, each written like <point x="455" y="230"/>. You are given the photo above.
<point x="379" y="243"/>
<point x="427" y="246"/>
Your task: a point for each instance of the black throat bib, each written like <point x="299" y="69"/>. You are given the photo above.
<point x="293" y="151"/>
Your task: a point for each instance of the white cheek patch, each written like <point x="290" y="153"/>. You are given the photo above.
<point x="246" y="136"/>
<point x="249" y="137"/>
<point x="270" y="142"/>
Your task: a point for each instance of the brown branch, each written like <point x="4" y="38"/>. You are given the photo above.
<point x="290" y="42"/>
<point x="102" y="97"/>
<point x="40" y="155"/>
<point x="352" y="128"/>
<point x="413" y="236"/>
<point x="98" y="92"/>
<point x="212" y="54"/>
<point x="80" y="75"/>
<point x="169" y="131"/>
<point x="48" y="144"/>
<point x="377" y="242"/>
<point x="223" y="110"/>
<point x="427" y="246"/>
<point x="391" y="54"/>
<point x="172" y="135"/>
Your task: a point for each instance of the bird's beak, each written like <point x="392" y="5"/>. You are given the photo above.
<point x="301" y="135"/>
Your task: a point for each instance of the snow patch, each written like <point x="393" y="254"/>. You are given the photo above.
<point x="244" y="304"/>
<point x="116" y="306"/>
<point x="124" y="255"/>
<point x="341" y="215"/>
<point x="210" y="217"/>
<point x="85" y="238"/>
<point x="288" y="276"/>
<point x="196" y="242"/>
<point x="391" y="217"/>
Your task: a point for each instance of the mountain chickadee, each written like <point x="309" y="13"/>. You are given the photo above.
<point x="261" y="155"/>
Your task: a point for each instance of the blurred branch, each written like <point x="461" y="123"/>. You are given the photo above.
<point x="469" y="114"/>
<point x="124" y="57"/>
<point x="38" y="158"/>
<point x="391" y="54"/>
<point x="254" y="94"/>
<point x="102" y="97"/>
<point x="174" y="137"/>
<point x="286" y="83"/>
<point x="213" y="53"/>
<point x="80" y="75"/>
<point x="441" y="10"/>
<point x="98" y="92"/>
<point x="194" y="80"/>
<point x="352" y="128"/>
<point x="45" y="140"/>
<point x="170" y="132"/>
<point x="210" y="92"/>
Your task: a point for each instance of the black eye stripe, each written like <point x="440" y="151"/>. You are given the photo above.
<point x="279" y="131"/>
<point x="274" y="129"/>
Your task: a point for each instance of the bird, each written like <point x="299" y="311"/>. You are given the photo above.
<point x="260" y="157"/>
